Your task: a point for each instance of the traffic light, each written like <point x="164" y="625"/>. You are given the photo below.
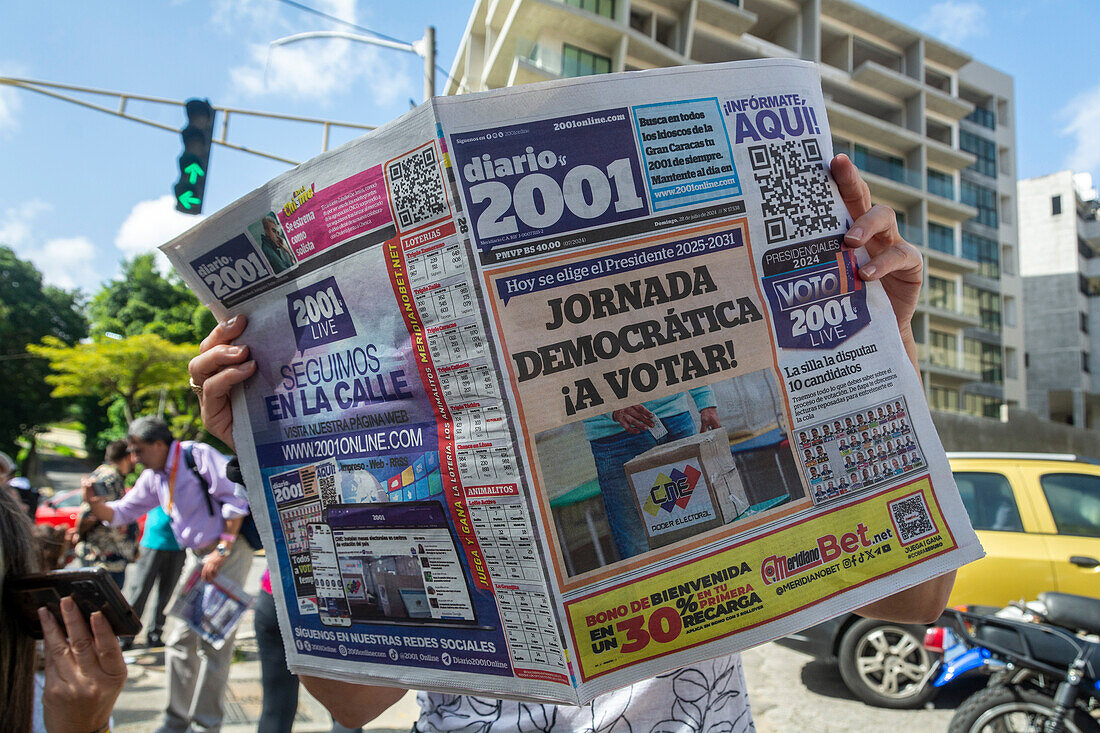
<point x="195" y="160"/>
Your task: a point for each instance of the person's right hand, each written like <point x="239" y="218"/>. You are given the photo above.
<point x="634" y="419"/>
<point x="219" y="366"/>
<point x="84" y="673"/>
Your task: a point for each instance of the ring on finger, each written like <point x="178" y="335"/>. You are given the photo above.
<point x="196" y="388"/>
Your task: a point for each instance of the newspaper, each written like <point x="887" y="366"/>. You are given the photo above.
<point x="567" y="385"/>
<point x="213" y="610"/>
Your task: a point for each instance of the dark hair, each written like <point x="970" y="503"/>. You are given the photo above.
<point x="51" y="546"/>
<point x="150" y="430"/>
<point x="18" y="556"/>
<point x="116" y="451"/>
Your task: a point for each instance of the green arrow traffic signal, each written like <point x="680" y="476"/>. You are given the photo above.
<point x="194" y="162"/>
<point x="194" y="171"/>
<point x="188" y="199"/>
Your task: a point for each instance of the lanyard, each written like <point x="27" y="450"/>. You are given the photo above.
<point x="172" y="477"/>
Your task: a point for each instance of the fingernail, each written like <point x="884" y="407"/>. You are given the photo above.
<point x="855" y="234"/>
<point x="250" y="364"/>
<point x="231" y="322"/>
<point x="234" y="350"/>
<point x="867" y="271"/>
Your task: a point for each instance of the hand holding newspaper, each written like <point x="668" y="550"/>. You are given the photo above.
<point x="573" y="384"/>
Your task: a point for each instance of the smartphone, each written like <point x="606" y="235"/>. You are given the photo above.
<point x="92" y="589"/>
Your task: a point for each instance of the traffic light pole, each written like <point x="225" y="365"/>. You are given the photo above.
<point x="54" y="91"/>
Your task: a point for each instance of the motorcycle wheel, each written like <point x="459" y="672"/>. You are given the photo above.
<point x="886" y="665"/>
<point x="1012" y="710"/>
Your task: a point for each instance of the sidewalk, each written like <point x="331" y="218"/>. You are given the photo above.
<point x="141" y="704"/>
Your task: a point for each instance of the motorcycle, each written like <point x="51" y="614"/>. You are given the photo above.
<point x="1043" y="659"/>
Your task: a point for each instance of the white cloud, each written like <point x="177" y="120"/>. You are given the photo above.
<point x="954" y="21"/>
<point x="1083" y="113"/>
<point x="16" y="226"/>
<point x="151" y="224"/>
<point x="67" y="262"/>
<point x="316" y="69"/>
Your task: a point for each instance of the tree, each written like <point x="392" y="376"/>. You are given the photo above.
<point x="142" y="301"/>
<point x="138" y="370"/>
<point x="29" y="312"/>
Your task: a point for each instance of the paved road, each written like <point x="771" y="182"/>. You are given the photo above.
<point x="792" y="692"/>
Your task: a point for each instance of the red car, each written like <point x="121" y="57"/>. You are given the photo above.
<point x="61" y="509"/>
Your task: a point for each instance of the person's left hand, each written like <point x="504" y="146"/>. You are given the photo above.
<point x="212" y="565"/>
<point x="84" y="673"/>
<point x="894" y="262"/>
<point x="708" y="419"/>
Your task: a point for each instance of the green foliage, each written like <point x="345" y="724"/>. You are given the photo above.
<point x="142" y="371"/>
<point x="142" y="301"/>
<point x="29" y="312"/>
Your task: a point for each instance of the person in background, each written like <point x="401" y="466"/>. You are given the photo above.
<point x="84" y="673"/>
<point x="160" y="562"/>
<point x="111" y="548"/>
<point x="197" y="672"/>
<point x="893" y="262"/>
<point x="280" y="685"/>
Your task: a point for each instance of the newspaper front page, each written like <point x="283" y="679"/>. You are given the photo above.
<point x="567" y="385"/>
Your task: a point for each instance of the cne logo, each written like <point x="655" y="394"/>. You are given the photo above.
<point x="671" y="490"/>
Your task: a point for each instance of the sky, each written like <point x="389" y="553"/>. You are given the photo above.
<point x="80" y="190"/>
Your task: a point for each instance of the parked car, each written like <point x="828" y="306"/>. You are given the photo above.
<point x="60" y="510"/>
<point x="63" y="509"/>
<point x="1038" y="518"/>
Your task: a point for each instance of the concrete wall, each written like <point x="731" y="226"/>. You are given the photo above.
<point x="1024" y="432"/>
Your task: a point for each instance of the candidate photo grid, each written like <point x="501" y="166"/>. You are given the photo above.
<point x="861" y="450"/>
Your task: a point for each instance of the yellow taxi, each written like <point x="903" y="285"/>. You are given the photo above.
<point x="1038" y="518"/>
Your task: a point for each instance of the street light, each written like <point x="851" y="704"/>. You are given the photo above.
<point x="424" y="48"/>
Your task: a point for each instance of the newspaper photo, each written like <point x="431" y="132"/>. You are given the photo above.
<point x="563" y="386"/>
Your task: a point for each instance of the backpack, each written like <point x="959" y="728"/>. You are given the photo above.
<point x="249" y="532"/>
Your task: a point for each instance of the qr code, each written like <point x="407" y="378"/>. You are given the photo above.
<point x="416" y="189"/>
<point x="795" y="199"/>
<point x="911" y="518"/>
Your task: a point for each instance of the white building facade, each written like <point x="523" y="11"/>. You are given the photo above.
<point x="931" y="129"/>
<point x="1060" y="268"/>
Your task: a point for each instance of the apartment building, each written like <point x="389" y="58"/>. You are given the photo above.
<point x="1060" y="269"/>
<point x="931" y="128"/>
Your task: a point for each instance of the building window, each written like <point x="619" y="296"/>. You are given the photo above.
<point x="985" y="252"/>
<point x="945" y="399"/>
<point x="606" y="8"/>
<point x="1055" y="205"/>
<point x="942" y="349"/>
<point x="983" y="199"/>
<point x="941" y="184"/>
<point x="941" y="238"/>
<point x="578" y="62"/>
<point x="986" y="150"/>
<point x="1084" y="322"/>
<point x="884" y="164"/>
<point x="983" y="117"/>
<point x="941" y="293"/>
<point x="985" y="304"/>
<point x="1084" y="249"/>
<point x="1085" y="362"/>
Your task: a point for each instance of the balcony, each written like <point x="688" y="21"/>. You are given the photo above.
<point x="945" y="104"/>
<point x="945" y="364"/>
<point x="876" y="75"/>
<point x="727" y="15"/>
<point x="945" y="313"/>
